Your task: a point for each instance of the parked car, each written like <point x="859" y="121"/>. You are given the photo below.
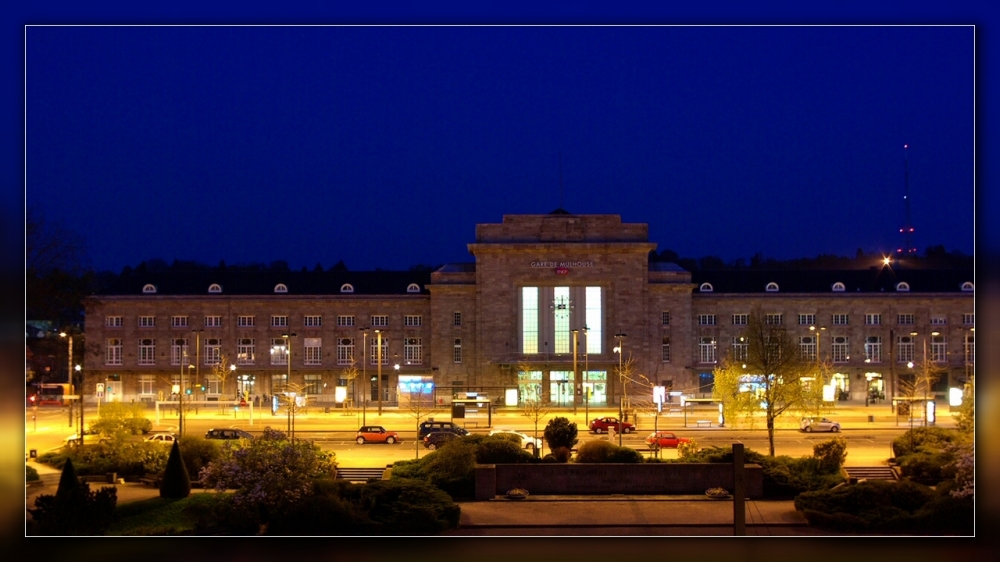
<point x="74" y="439"/>
<point x="818" y="424"/>
<point x="166" y="438"/>
<point x="227" y="434"/>
<point x="439" y="437"/>
<point x="664" y="440"/>
<point x="430" y="425"/>
<point x="528" y="442"/>
<point x="600" y="425"/>
<point x="376" y="434"/>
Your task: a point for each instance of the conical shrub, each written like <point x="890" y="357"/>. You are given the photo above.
<point x="176" y="481"/>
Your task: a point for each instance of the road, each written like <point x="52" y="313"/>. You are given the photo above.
<point x="867" y="444"/>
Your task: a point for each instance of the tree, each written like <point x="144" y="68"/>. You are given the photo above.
<point x="74" y="509"/>
<point x="920" y="383"/>
<point x="176" y="481"/>
<point x="775" y="377"/>
<point x="560" y="432"/>
<point x="418" y="405"/>
<point x="535" y="410"/>
<point x="221" y="372"/>
<point x="966" y="420"/>
<point x="350" y="374"/>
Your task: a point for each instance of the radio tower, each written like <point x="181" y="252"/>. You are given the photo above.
<point x="907" y="247"/>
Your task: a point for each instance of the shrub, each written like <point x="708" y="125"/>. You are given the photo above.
<point x="562" y="454"/>
<point x="560" y="432"/>
<point x="926" y="467"/>
<point x="176" y="481"/>
<point x="625" y="455"/>
<point x="687" y="449"/>
<point x="30" y="473"/>
<point x="409" y="507"/>
<point x="924" y="438"/>
<point x="596" y="451"/>
<point x="117" y="418"/>
<point x="452" y="468"/>
<point x="550" y="458"/>
<point x="501" y="450"/>
<point x="197" y="452"/>
<point x="831" y="454"/>
<point x="325" y="512"/>
<point x="74" y="509"/>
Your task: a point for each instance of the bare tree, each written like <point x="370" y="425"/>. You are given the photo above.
<point x="535" y="410"/>
<point x="774" y="377"/>
<point x="418" y="405"/>
<point x="919" y="384"/>
<point x="350" y="374"/>
<point x="293" y="399"/>
<point x="221" y="372"/>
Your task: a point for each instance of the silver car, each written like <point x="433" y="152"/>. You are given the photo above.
<point x="818" y="424"/>
<point x="527" y="441"/>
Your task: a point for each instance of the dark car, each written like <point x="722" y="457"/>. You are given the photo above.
<point x="227" y="434"/>
<point x="601" y="425"/>
<point x="439" y="437"/>
<point x="431" y="425"/>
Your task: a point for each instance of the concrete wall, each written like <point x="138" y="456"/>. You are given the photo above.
<point x="596" y="479"/>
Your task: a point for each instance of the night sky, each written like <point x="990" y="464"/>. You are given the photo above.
<point x="385" y="146"/>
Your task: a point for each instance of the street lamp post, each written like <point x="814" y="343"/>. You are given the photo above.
<point x="288" y="381"/>
<point x="69" y="374"/>
<point x="620" y="350"/>
<point x="586" y="378"/>
<point x="80" y="378"/>
<point x="378" y="333"/>
<point x="364" y="377"/>
<point x="576" y="375"/>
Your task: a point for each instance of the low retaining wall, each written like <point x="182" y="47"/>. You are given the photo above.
<point x="598" y="479"/>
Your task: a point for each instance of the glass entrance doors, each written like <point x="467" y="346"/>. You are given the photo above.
<point x="561" y="388"/>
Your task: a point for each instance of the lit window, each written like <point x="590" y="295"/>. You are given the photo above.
<point x="280" y="288"/>
<point x="706" y="288"/>
<point x="347" y="288"/>
<point x="771" y="287"/>
<point x="215" y="288"/>
<point x="149" y="288"/>
<point x="413" y="288"/>
<point x="838" y="287"/>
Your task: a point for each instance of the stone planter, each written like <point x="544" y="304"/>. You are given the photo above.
<point x="718" y="494"/>
<point x="516" y="494"/>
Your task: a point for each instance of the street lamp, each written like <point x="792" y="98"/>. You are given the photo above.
<point x="378" y="333"/>
<point x="80" y="378"/>
<point x="364" y="377"/>
<point x="288" y="381"/>
<point x="621" y="377"/>
<point x="69" y="373"/>
<point x="576" y="375"/>
<point x="586" y="377"/>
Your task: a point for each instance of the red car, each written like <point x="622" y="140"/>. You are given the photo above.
<point x="376" y="434"/>
<point x="600" y="425"/>
<point x="665" y="439"/>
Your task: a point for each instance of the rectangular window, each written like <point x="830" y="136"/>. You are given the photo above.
<point x="807" y="348"/>
<point x="413" y="351"/>
<point x="740" y="319"/>
<point x="279" y="321"/>
<point x="873" y="349"/>
<point x="665" y="318"/>
<point x="706" y="319"/>
<point x="529" y="320"/>
<point x="939" y="320"/>
<point x="970" y="348"/>
<point x="147" y="321"/>
<point x="213" y="351"/>
<point x="706" y="349"/>
<point x="739" y="348"/>
<point x="179" y="352"/>
<point x="413" y="320"/>
<point x="245" y="350"/>
<point x="345" y="320"/>
<point x="379" y="321"/>
<point x="807" y="319"/>
<point x="595" y="318"/>
<point x="312" y="321"/>
<point x="457" y="351"/>
<point x="113" y="353"/>
<point x="146" y="384"/>
<point x="773" y="319"/>
<point x="840" y="349"/>
<point x="904" y="349"/>
<point x="969" y="319"/>
<point x="245" y="321"/>
<point x="939" y="349"/>
<point x="373" y="352"/>
<point x="213" y="321"/>
<point x="457" y="318"/>
<point x="560" y="318"/>
<point x="665" y="349"/>
<point x="147" y="352"/>
<point x="178" y="321"/>
<point x="313" y="383"/>
<point x="345" y="351"/>
<point x="873" y="319"/>
<point x="279" y="351"/>
<point x="113" y="321"/>
<point x="839" y="319"/>
<point x="313" y="351"/>
<point x="904" y="319"/>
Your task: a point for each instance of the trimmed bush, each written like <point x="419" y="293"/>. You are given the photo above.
<point x="30" y="474"/>
<point x="562" y="454"/>
<point x="831" y="454"/>
<point x="918" y="439"/>
<point x="625" y="455"/>
<point x="197" y="452"/>
<point x="74" y="509"/>
<point x="176" y="481"/>
<point x="560" y="432"/>
<point x="502" y="450"/>
<point x="599" y="451"/>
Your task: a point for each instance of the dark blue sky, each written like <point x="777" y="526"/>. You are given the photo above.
<point x="384" y="146"/>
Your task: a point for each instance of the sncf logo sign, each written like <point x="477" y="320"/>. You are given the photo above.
<point x="562" y="270"/>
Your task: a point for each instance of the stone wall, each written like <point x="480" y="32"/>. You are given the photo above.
<point x="597" y="479"/>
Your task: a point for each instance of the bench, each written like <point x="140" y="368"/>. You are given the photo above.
<point x="704" y="423"/>
<point x="359" y="474"/>
<point x="151" y="480"/>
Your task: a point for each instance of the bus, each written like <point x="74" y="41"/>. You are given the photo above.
<point x="52" y="394"/>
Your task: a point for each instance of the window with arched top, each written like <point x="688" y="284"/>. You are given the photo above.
<point x="839" y="287"/>
<point x="706" y="288"/>
<point x="215" y="288"/>
<point x="281" y="288"/>
<point x="413" y="288"/>
<point x="347" y="288"/>
<point x="771" y="287"/>
<point x="903" y="286"/>
<point x="968" y="286"/>
<point x="149" y="288"/>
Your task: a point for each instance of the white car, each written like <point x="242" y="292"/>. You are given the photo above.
<point x="166" y="438"/>
<point x="528" y="442"/>
<point x="818" y="424"/>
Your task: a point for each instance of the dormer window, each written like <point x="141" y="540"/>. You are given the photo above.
<point x="771" y="287"/>
<point x="149" y="288"/>
<point x="838" y="287"/>
<point x="903" y="287"/>
<point x="281" y="288"/>
<point x="968" y="286"/>
<point x="706" y="288"/>
<point x="413" y="288"/>
<point x="347" y="288"/>
<point x="215" y="288"/>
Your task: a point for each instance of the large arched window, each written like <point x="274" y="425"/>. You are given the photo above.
<point x="838" y="287"/>
<point x="706" y="288"/>
<point x="903" y="287"/>
<point x="413" y="288"/>
<point x="968" y="286"/>
<point x="215" y="288"/>
<point x="771" y="287"/>
<point x="149" y="288"/>
<point x="281" y="288"/>
<point x="347" y="288"/>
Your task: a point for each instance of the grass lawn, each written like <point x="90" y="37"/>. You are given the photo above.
<point x="158" y="516"/>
